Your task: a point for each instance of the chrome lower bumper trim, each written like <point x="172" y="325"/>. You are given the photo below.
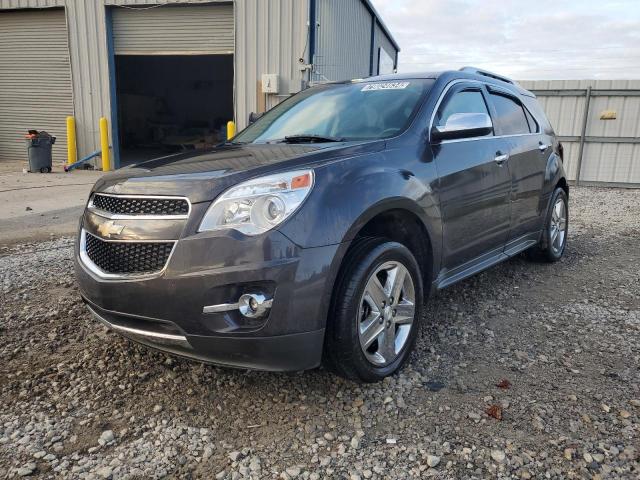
<point x="143" y="335"/>
<point x="223" y="307"/>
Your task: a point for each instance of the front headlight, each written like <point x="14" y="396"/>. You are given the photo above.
<point x="258" y="205"/>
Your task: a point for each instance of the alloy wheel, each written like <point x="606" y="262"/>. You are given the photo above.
<point x="386" y="313"/>
<point x="558" y="226"/>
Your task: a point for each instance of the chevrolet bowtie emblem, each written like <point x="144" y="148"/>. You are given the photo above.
<point x="110" y="228"/>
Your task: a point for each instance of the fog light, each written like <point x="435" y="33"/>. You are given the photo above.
<point x="254" y="305"/>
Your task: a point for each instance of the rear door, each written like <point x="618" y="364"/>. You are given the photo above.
<point x="527" y="163"/>
<point x="474" y="186"/>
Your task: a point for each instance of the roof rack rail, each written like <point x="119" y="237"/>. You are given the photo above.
<point x="487" y="74"/>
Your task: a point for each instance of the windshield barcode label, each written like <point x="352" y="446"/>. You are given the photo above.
<point x="385" y="86"/>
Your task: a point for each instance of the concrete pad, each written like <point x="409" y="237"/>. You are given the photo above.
<point x="36" y="206"/>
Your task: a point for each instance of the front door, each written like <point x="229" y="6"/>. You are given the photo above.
<point x="474" y="186"/>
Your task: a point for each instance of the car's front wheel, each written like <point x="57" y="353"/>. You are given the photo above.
<point x="375" y="314"/>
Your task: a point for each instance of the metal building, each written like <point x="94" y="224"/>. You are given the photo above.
<point x="167" y="72"/>
<point x="598" y="122"/>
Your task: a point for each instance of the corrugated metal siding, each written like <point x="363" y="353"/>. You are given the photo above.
<point x="611" y="162"/>
<point x="381" y="40"/>
<point x="89" y="69"/>
<point x="579" y="84"/>
<point x="10" y="4"/>
<point x="89" y="64"/>
<point x="35" y="80"/>
<point x="604" y="161"/>
<point x="157" y="2"/>
<point x="270" y="38"/>
<point x="343" y="40"/>
<point x="174" y="30"/>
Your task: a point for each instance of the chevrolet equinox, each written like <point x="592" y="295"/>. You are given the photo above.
<point x="315" y="235"/>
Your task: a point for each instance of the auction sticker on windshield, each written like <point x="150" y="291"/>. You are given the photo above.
<point x="385" y="86"/>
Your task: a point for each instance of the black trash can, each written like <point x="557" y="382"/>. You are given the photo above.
<point x="39" y="149"/>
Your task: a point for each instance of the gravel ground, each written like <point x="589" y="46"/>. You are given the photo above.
<point x="525" y="371"/>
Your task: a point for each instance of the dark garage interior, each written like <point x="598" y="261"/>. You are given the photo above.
<point x="171" y="103"/>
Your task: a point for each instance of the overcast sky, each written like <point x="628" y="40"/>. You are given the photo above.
<point x="542" y="39"/>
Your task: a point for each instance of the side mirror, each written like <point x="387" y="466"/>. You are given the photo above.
<point x="463" y="125"/>
<point x="253" y="116"/>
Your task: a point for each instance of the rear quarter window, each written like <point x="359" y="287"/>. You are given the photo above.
<point x="533" y="125"/>
<point x="512" y="119"/>
<point x="538" y="113"/>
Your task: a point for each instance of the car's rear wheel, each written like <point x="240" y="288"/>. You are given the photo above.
<point x="554" y="237"/>
<point x="376" y="308"/>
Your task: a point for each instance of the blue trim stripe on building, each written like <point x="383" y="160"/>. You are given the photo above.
<point x="312" y="29"/>
<point x="372" y="45"/>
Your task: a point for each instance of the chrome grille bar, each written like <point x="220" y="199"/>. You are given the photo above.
<point x="121" y="207"/>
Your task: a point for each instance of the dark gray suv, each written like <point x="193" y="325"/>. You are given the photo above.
<point x="316" y="235"/>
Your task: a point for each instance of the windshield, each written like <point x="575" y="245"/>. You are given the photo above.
<point x="340" y="112"/>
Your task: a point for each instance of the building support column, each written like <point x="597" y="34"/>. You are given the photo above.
<point x="583" y="134"/>
<point x="86" y="25"/>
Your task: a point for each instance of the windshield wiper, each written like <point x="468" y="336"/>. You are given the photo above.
<point x="310" y="138"/>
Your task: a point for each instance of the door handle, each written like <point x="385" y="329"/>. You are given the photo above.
<point x="542" y="147"/>
<point x="501" y="158"/>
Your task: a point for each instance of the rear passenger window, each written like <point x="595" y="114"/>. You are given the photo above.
<point x="466" y="101"/>
<point x="511" y="117"/>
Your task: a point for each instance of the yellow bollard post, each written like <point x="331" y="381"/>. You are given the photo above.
<point x="231" y="130"/>
<point x="72" y="155"/>
<point x="104" y="144"/>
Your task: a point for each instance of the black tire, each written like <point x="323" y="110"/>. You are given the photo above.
<point x="342" y="352"/>
<point x="45" y="170"/>
<point x="546" y="251"/>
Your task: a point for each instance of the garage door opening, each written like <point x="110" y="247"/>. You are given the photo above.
<point x="172" y="103"/>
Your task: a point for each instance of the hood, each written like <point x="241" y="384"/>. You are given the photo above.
<point x="203" y="175"/>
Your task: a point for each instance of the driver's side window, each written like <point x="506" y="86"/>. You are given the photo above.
<point x="464" y="101"/>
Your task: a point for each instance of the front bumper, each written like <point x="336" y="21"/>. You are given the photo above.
<point x="298" y="351"/>
<point x="166" y="311"/>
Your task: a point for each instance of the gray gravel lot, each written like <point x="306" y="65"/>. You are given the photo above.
<point x="553" y="350"/>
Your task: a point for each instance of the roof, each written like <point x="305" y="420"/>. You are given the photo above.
<point x="375" y="13"/>
<point x="405" y="76"/>
<point x="465" y="72"/>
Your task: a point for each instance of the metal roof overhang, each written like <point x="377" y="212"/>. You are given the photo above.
<point x="374" y="12"/>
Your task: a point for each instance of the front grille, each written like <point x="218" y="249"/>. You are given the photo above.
<point x="141" y="205"/>
<point x="127" y="257"/>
